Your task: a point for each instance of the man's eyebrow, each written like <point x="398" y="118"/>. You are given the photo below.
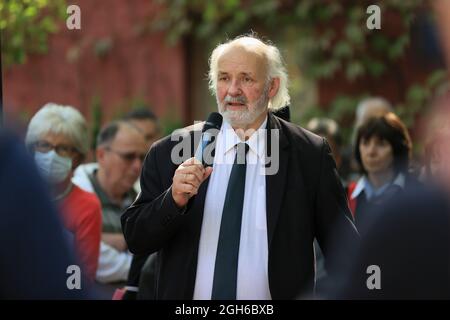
<point x="241" y="73"/>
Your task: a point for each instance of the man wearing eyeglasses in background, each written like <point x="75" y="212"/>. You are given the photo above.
<point x="121" y="148"/>
<point x="146" y="121"/>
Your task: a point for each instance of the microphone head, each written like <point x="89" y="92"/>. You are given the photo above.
<point x="214" y="121"/>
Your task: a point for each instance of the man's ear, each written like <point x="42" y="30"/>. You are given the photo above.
<point x="274" y="86"/>
<point x="100" y="154"/>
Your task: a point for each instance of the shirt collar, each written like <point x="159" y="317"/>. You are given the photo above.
<point x="256" y="142"/>
<point x="400" y="180"/>
<point x="364" y="185"/>
<point x="104" y="199"/>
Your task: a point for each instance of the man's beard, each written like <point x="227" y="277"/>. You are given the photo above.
<point x="246" y="116"/>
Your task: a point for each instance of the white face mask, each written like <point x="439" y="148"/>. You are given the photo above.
<point x="52" y="166"/>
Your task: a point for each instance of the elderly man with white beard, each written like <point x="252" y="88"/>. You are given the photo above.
<point x="237" y="230"/>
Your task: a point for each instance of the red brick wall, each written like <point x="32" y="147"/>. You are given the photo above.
<point x="138" y="64"/>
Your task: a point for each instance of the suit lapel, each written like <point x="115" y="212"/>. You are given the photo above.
<point x="275" y="183"/>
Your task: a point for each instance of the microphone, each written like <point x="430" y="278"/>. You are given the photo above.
<point x="205" y="149"/>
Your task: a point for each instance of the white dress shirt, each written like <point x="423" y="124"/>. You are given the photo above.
<point x="252" y="276"/>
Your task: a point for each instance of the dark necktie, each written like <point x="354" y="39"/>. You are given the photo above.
<point x="225" y="271"/>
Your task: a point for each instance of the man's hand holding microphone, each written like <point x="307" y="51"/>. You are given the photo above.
<point x="187" y="179"/>
<point x="193" y="172"/>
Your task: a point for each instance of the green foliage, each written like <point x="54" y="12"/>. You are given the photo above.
<point x="25" y="26"/>
<point x="212" y="19"/>
<point x="351" y="48"/>
<point x="170" y="121"/>
<point x="419" y="95"/>
<point x="330" y="39"/>
<point x="123" y="107"/>
<point x="342" y="110"/>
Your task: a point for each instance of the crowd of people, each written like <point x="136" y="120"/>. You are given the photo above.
<point x="143" y="227"/>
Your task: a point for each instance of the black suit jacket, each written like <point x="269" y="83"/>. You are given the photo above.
<point x="305" y="199"/>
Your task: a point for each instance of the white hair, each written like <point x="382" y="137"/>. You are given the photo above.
<point x="59" y="120"/>
<point x="275" y="68"/>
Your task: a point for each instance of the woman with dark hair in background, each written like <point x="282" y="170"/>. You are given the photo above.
<point x="382" y="151"/>
<point x="407" y="242"/>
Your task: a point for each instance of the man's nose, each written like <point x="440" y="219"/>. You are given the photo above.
<point x="235" y="88"/>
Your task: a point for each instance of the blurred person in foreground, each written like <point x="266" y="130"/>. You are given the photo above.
<point x="404" y="251"/>
<point x="57" y="137"/>
<point x="35" y="254"/>
<point x="254" y="238"/>
<point x="436" y="168"/>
